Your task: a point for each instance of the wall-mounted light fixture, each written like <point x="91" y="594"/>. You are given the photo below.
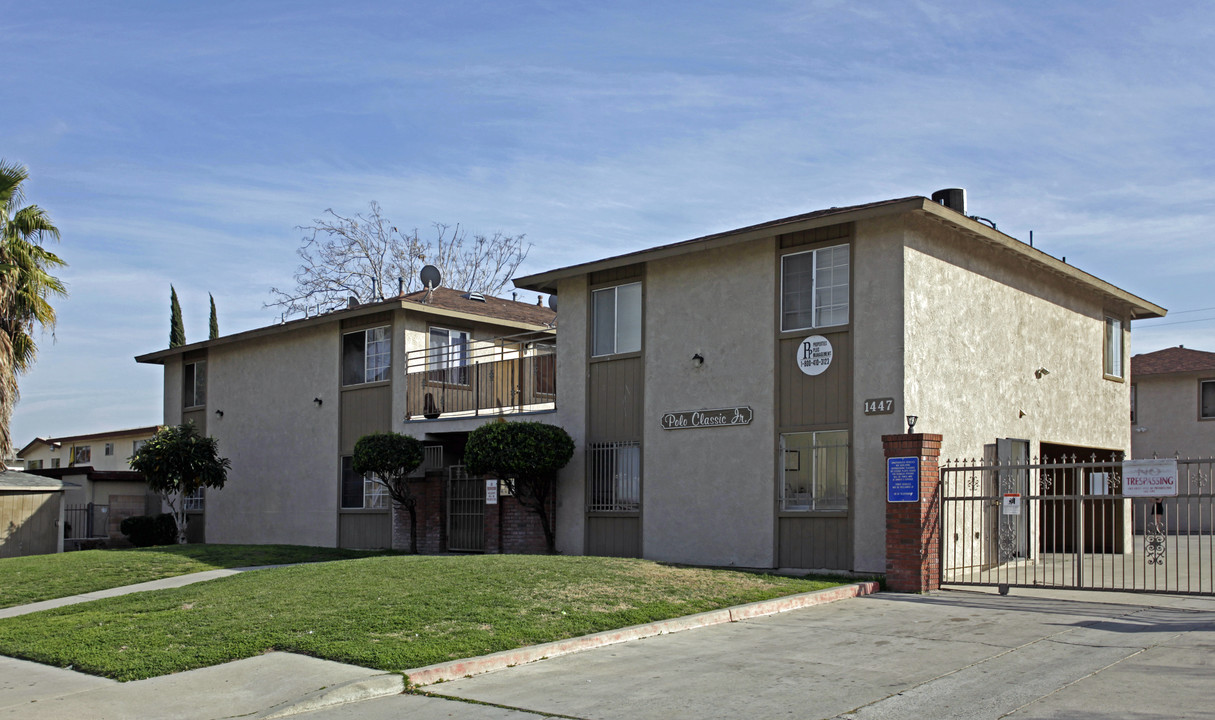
<point x="911" y="419"/>
<point x="1041" y="373"/>
<point x="698" y="360"/>
<point x="220" y="413"/>
<point x="318" y="401"/>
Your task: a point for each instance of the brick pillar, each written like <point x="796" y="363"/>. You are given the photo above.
<point x="913" y="537"/>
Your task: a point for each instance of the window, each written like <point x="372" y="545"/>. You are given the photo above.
<point x="545" y="369"/>
<point x="194" y="501"/>
<point x="815" y="470"/>
<point x="1134" y="393"/>
<point x="33" y="464"/>
<point x="54" y="462"/>
<point x="1206" y="406"/>
<point x="361" y="491"/>
<point x="616" y="319"/>
<point x="1113" y="348"/>
<point x="613" y="477"/>
<point x="448" y="357"/>
<point x="109" y="449"/>
<point x="366" y="356"/>
<point x="814" y="288"/>
<point x="135" y="445"/>
<point x="82" y="454"/>
<point x="194" y="387"/>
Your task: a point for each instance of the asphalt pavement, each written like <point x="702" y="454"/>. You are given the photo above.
<point x="950" y="654"/>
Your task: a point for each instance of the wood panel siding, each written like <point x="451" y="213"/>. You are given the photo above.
<point x="368" y="321"/>
<point x="617" y="275"/>
<point x="364" y="530"/>
<point x="365" y="410"/>
<point x="820" y="400"/>
<point x="843" y="231"/>
<point x="614" y="407"/>
<point x="198" y="417"/>
<point x="814" y="542"/>
<point x="613" y="535"/>
<point x="29" y="523"/>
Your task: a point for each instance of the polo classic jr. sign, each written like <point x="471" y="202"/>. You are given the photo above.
<point x="718" y="417"/>
<point x="814" y="355"/>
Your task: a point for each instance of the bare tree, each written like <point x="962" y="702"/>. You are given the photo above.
<point x="365" y="254"/>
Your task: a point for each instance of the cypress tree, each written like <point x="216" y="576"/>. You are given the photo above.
<point x="177" y="330"/>
<point x="214" y="319"/>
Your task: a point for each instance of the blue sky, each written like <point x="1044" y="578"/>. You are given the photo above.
<point x="183" y="143"/>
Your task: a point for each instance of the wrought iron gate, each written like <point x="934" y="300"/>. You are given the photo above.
<point x="465" y="511"/>
<point x="1072" y="525"/>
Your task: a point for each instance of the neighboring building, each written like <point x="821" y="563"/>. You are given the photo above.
<point x="288" y="402"/>
<point x="1173" y="403"/>
<point x="31" y="514"/>
<point x="101" y="489"/>
<point x="728" y="394"/>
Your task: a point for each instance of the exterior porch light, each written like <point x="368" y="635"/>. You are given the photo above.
<point x="698" y="360"/>
<point x="911" y="419"/>
<point x="318" y="401"/>
<point x="1041" y="373"/>
<point x="219" y="413"/>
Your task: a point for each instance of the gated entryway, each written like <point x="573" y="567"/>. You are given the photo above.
<point x="1077" y="525"/>
<point x="465" y="511"/>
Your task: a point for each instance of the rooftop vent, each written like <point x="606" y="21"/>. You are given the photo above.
<point x="475" y="296"/>
<point x="952" y="198"/>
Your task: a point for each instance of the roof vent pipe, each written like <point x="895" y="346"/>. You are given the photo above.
<point x="952" y="198"/>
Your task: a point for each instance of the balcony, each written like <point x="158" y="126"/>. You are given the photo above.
<point x="469" y="378"/>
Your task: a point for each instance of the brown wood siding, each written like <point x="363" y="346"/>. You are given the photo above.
<point x="815" y="542"/>
<point x="615" y="400"/>
<point x="198" y="417"/>
<point x="29" y="523"/>
<point x="615" y="275"/>
<point x="365" y="410"/>
<point x="843" y="231"/>
<point x="613" y="536"/>
<point x="368" y="321"/>
<point x="824" y="399"/>
<point x="362" y="530"/>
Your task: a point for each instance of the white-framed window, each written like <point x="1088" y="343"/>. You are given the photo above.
<point x="814" y="288"/>
<point x="1206" y="400"/>
<point x="815" y="470"/>
<point x="366" y="355"/>
<point x="616" y="320"/>
<point x="109" y="449"/>
<point x="613" y="477"/>
<point x="1114" y="349"/>
<point x="195" y="500"/>
<point x="82" y="454"/>
<point x="33" y="464"/>
<point x="194" y="384"/>
<point x="136" y="444"/>
<point x="54" y="462"/>
<point x="361" y="491"/>
<point x="448" y="355"/>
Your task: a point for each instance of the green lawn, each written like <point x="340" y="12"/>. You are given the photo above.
<point x="391" y="613"/>
<point x="43" y="577"/>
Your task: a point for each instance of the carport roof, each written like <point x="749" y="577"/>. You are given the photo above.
<point x="17" y="480"/>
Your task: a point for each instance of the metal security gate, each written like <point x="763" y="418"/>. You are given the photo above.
<point x="1071" y="525"/>
<point x="465" y="511"/>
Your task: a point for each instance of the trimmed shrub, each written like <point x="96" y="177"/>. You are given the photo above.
<point x="149" y="530"/>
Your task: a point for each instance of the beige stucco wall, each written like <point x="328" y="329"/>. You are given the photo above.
<point x="571" y="412"/>
<point x="284" y="483"/>
<point x="978" y="326"/>
<point x="708" y="494"/>
<point x="878" y="351"/>
<point x="1167" y="417"/>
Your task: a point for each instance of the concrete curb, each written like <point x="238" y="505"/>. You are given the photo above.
<point x="348" y="692"/>
<point x="456" y="669"/>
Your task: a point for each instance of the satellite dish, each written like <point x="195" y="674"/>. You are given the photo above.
<point x="552" y="302"/>
<point x="431" y="277"/>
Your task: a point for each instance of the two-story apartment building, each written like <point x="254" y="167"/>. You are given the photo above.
<point x="1173" y="403"/>
<point x="287" y="403"/>
<point x="729" y="393"/>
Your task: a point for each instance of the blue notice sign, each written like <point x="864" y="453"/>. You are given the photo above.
<point x="903" y="479"/>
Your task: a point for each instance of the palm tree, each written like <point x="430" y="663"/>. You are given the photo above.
<point x="26" y="287"/>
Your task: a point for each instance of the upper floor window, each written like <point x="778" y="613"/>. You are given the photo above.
<point x="1206" y="407"/>
<point x="814" y="288"/>
<point x="82" y="454"/>
<point x="33" y="464"/>
<point x="448" y="361"/>
<point x="136" y="444"/>
<point x="195" y="500"/>
<point x="54" y="462"/>
<point x="616" y="319"/>
<point x="109" y="449"/>
<point x="1114" y="348"/>
<point x="194" y="387"/>
<point x="1134" y="403"/>
<point x="366" y="356"/>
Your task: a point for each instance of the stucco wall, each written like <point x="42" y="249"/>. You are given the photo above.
<point x="284" y="482"/>
<point x="708" y="492"/>
<point x="571" y="412"/>
<point x="1167" y="417"/>
<point x="978" y="326"/>
<point x="878" y="350"/>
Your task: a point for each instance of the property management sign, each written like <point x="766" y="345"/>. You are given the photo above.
<point x="719" y="417"/>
